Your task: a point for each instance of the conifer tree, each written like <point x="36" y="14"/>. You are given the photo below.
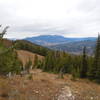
<point x="84" y="68"/>
<point x="28" y="65"/>
<point x="95" y="69"/>
<point x="49" y="62"/>
<point x="97" y="59"/>
<point x="8" y="57"/>
<point x="35" y="61"/>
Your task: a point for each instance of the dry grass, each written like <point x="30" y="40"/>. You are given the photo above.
<point x="24" y="56"/>
<point x="7" y="42"/>
<point x="46" y="86"/>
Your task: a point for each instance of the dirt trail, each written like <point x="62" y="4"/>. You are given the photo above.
<point x="64" y="92"/>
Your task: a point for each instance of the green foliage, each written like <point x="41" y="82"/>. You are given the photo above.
<point x="36" y="61"/>
<point x="84" y="67"/>
<point x="40" y="64"/>
<point x="74" y="74"/>
<point x="57" y="61"/>
<point x="9" y="61"/>
<point x="95" y="68"/>
<point x="49" y="62"/>
<point x="8" y="58"/>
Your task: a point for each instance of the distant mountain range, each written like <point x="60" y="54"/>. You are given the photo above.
<point x="49" y="40"/>
<point x="72" y="45"/>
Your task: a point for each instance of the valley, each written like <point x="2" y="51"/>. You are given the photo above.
<point x="70" y="45"/>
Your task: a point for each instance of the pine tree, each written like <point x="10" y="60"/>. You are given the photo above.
<point x="95" y="69"/>
<point x="48" y="63"/>
<point x="84" y="67"/>
<point x="8" y="58"/>
<point x="35" y="61"/>
<point x="97" y="59"/>
<point x="28" y="65"/>
<point x="76" y="66"/>
<point x="9" y="63"/>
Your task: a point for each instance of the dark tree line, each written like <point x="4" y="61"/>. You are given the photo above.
<point x="26" y="45"/>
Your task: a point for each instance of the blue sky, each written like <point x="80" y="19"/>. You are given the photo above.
<point x="70" y="18"/>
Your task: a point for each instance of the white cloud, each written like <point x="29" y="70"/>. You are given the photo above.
<point x="61" y="17"/>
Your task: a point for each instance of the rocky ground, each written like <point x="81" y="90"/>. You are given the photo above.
<point x="46" y="86"/>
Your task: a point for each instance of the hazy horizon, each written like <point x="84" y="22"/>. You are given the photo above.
<point x="46" y="35"/>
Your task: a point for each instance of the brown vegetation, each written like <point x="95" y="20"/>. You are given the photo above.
<point x="25" y="56"/>
<point x="7" y="43"/>
<point x="46" y="86"/>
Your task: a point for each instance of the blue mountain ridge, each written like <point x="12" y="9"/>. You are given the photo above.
<point x="46" y="40"/>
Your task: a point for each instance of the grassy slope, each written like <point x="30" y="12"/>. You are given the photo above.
<point x="45" y="86"/>
<point x="25" y="56"/>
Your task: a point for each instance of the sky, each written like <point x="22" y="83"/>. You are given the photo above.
<point x="69" y="18"/>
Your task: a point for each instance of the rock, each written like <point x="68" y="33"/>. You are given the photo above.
<point x="66" y="94"/>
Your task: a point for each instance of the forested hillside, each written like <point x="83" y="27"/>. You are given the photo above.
<point x="76" y="47"/>
<point x="26" y="45"/>
<point x="82" y="66"/>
